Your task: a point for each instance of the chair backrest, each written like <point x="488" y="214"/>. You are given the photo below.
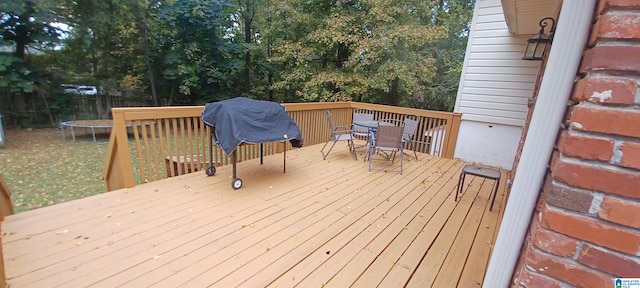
<point x="332" y="127"/>
<point x="330" y="119"/>
<point x="361" y="115"/>
<point x="389" y="134"/>
<point x="410" y="125"/>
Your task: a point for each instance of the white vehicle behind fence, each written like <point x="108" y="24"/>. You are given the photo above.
<point x="87" y="90"/>
<point x="69" y="88"/>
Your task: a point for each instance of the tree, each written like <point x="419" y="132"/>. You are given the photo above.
<point x="205" y="63"/>
<point x="406" y="53"/>
<point x="369" y="51"/>
<point x="144" y="35"/>
<point x="25" y="24"/>
<point x="449" y="55"/>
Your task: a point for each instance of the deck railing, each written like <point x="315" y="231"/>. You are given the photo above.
<point x="153" y="143"/>
<point x="6" y="209"/>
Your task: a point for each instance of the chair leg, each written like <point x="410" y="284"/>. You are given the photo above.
<point x="412" y="146"/>
<point x="401" y="159"/>
<point x="495" y="191"/>
<point x="352" y="149"/>
<point x="324" y="156"/>
<point x="460" y="183"/>
<point x="414" y="150"/>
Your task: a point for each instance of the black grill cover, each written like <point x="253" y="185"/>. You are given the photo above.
<point x="243" y="120"/>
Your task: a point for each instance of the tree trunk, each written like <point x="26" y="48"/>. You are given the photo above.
<point x="147" y="53"/>
<point x="249" y="13"/>
<point x="22" y="33"/>
<point x="47" y="107"/>
<point x="20" y="47"/>
<point x="343" y="54"/>
<point x="394" y="94"/>
<point x="269" y="73"/>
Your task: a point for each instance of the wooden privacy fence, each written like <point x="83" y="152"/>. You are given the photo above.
<point x="171" y="141"/>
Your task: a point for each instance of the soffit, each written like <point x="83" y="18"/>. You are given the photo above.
<point x="523" y="16"/>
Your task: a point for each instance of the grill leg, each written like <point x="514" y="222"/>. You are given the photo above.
<point x="261" y="152"/>
<point x="234" y="157"/>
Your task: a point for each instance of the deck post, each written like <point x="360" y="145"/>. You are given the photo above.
<point x="119" y="171"/>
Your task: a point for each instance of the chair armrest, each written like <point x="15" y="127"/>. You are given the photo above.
<point x="342" y="129"/>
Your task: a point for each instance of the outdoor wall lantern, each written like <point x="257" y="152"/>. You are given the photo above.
<point x="537" y="44"/>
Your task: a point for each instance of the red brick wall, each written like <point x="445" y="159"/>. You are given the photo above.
<point x="586" y="228"/>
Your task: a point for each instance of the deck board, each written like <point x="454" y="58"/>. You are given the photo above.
<point x="323" y="222"/>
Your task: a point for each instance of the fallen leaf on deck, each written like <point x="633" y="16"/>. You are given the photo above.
<point x="65" y="231"/>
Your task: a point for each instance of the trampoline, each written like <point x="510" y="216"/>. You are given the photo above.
<point x="92" y="125"/>
<point x="86" y="124"/>
<point x="242" y="120"/>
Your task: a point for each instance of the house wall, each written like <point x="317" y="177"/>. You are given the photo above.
<point x="494" y="89"/>
<point x="586" y="228"/>
<point x="499" y="137"/>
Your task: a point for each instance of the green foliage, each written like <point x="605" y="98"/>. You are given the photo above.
<point x="200" y="59"/>
<point x="16" y="75"/>
<point x="449" y="55"/>
<point x="372" y="51"/>
<point x="62" y="104"/>
<point x="28" y="22"/>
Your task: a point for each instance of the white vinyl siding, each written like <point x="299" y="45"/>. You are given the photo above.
<point x="495" y="83"/>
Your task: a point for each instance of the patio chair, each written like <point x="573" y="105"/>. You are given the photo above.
<point x="388" y="140"/>
<point x="410" y="125"/>
<point x="360" y="132"/>
<point x="338" y="133"/>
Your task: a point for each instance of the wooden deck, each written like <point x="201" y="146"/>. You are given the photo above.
<point x="328" y="223"/>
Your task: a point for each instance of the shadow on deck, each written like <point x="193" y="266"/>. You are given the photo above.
<point x="322" y="223"/>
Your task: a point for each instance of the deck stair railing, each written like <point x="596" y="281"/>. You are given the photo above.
<point x="153" y="143"/>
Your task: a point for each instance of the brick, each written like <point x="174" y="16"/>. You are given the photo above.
<point x="606" y="120"/>
<point x="530" y="279"/>
<point x="606" y="5"/>
<point x="555" y="243"/>
<point x="592" y="230"/>
<point x="606" y="90"/>
<point x="611" y="58"/>
<point x="620" y="211"/>
<point x="630" y="155"/>
<point x="567" y="270"/>
<point x="555" y="157"/>
<point x="591" y="177"/>
<point x="610" y="262"/>
<point x="616" y="26"/>
<point x="567" y="197"/>
<point x="586" y="147"/>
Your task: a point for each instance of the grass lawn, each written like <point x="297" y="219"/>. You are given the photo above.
<point x="42" y="169"/>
